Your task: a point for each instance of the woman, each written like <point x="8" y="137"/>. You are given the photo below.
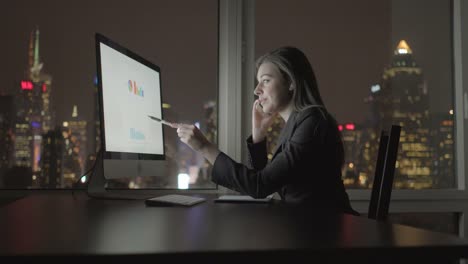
<point x="306" y="166"/>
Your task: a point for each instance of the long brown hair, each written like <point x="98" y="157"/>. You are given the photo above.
<point x="298" y="73"/>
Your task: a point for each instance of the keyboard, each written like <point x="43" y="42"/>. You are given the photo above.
<point x="174" y="200"/>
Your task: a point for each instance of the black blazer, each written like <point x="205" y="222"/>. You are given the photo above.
<point x="304" y="169"/>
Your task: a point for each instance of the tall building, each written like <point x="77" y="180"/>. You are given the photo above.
<point x="40" y="80"/>
<point x="352" y="140"/>
<point x="402" y="99"/>
<point x="7" y="120"/>
<point x="94" y="131"/>
<point x="443" y="144"/>
<point x="52" y="159"/>
<point x="370" y="135"/>
<point x="97" y="117"/>
<point x="63" y="154"/>
<point x="23" y="146"/>
<point x="75" y="135"/>
<point x="34" y="116"/>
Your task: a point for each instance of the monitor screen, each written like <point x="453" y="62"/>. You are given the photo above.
<point x="129" y="91"/>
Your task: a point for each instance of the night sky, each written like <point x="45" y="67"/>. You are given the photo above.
<point x="348" y="43"/>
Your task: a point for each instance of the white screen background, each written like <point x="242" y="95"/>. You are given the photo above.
<point x="127" y="126"/>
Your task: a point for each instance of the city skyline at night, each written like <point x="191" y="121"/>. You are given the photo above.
<point x="65" y="148"/>
<point x="425" y="156"/>
<point x="349" y="61"/>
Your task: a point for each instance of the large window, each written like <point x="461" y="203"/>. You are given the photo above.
<point x="377" y="63"/>
<point x="49" y="122"/>
<point x="380" y="63"/>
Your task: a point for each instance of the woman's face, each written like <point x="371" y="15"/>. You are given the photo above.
<point x="272" y="89"/>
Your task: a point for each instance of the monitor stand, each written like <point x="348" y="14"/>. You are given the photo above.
<point x="97" y="182"/>
<point x="96" y="187"/>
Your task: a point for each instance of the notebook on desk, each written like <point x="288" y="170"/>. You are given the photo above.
<point x="242" y="199"/>
<point x="174" y="200"/>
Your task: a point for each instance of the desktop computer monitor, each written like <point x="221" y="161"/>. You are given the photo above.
<point x="129" y="89"/>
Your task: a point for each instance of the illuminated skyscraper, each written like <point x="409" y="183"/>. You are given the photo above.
<point x="42" y="80"/>
<point x="443" y="159"/>
<point x="23" y="144"/>
<point x="34" y="116"/>
<point x="63" y="154"/>
<point x="352" y="141"/>
<point x="75" y="135"/>
<point x="52" y="159"/>
<point x="403" y="100"/>
<point x="370" y="135"/>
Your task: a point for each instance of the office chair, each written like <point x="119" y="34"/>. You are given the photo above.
<point x="384" y="172"/>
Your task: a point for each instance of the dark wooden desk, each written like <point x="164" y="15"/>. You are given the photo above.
<point x="59" y="224"/>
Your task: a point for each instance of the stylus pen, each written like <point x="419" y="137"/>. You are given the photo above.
<point x="161" y="120"/>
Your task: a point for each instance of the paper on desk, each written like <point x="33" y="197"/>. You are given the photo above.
<point x="242" y="198"/>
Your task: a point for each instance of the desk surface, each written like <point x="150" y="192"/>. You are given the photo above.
<point x="60" y="224"/>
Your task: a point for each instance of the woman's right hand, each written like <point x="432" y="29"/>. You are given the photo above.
<point x="194" y="138"/>
<point x="260" y="122"/>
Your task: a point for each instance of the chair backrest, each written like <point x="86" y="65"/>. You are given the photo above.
<point x="384" y="174"/>
<point x="376" y="186"/>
